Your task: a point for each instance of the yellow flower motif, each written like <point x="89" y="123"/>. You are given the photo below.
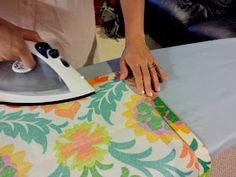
<point x="80" y="146"/>
<point x="66" y="110"/>
<point x="13" y="162"/>
<point x="144" y="118"/>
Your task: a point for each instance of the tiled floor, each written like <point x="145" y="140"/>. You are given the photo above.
<point x="111" y="48"/>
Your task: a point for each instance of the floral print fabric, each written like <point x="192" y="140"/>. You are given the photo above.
<point x="114" y="132"/>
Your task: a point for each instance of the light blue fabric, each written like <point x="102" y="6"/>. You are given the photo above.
<point x="201" y="89"/>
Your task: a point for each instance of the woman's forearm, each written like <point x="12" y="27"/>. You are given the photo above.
<point x="133" y="12"/>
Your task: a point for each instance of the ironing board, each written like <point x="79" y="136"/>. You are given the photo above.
<point x="201" y="89"/>
<point x="113" y="132"/>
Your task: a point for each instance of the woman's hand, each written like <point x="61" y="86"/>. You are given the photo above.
<point x="147" y="72"/>
<point x="12" y="44"/>
<point x="137" y="57"/>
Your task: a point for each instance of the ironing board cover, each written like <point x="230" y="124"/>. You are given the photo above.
<point x="112" y="133"/>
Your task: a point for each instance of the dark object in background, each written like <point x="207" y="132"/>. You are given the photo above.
<point x="112" y="19"/>
<point x="175" y="22"/>
<point x="98" y="5"/>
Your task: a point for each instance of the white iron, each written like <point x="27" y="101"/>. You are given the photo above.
<point x="53" y="79"/>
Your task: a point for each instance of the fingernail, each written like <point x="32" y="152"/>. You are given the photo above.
<point x="122" y="76"/>
<point x="150" y="94"/>
<point x="142" y="92"/>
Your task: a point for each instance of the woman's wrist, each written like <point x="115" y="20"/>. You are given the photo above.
<point x="135" y="39"/>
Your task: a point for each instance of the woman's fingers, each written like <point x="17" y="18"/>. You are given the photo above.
<point x="147" y="72"/>
<point x="154" y="77"/>
<point x="138" y="78"/>
<point x="148" y="77"/>
<point x="123" y="69"/>
<point x="30" y="35"/>
<point x="26" y="56"/>
<point x="147" y="82"/>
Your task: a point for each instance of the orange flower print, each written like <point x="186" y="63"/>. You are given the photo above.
<point x="193" y="158"/>
<point x="82" y="146"/>
<point x="98" y="80"/>
<point x="66" y="110"/>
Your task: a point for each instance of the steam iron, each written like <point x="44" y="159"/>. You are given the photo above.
<point x="53" y="79"/>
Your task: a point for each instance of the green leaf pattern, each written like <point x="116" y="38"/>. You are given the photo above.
<point x="137" y="161"/>
<point x="104" y="102"/>
<point x="61" y="171"/>
<point x="30" y="127"/>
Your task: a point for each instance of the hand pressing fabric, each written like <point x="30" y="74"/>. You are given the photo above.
<point x="147" y="72"/>
<point x="12" y="44"/>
